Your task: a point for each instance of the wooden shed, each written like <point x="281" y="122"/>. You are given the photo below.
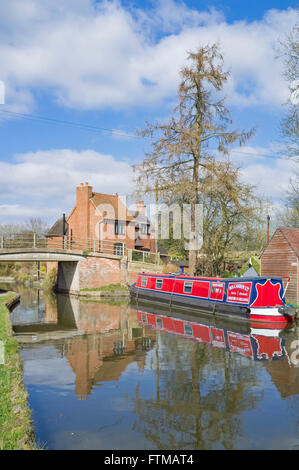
<point x="281" y="258"/>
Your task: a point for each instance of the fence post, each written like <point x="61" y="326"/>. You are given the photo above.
<point x="130" y="252"/>
<point x="2" y="241"/>
<point x="34" y="240"/>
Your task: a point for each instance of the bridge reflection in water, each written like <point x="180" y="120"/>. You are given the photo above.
<point x="86" y="339"/>
<point x="155" y="380"/>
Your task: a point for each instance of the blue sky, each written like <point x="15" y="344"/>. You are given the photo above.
<point x="114" y="65"/>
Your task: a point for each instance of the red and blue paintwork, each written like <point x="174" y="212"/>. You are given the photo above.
<point x="258" y="345"/>
<point x="260" y="298"/>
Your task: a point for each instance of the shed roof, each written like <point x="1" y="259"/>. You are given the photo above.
<point x="57" y="229"/>
<point x="292" y="237"/>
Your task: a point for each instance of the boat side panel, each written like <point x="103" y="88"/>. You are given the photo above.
<point x="268" y="294"/>
<point x="253" y="299"/>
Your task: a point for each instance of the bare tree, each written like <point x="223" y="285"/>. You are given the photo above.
<point x="36" y="225"/>
<point x="289" y="51"/>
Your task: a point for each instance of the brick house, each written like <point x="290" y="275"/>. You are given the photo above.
<point x="281" y="258"/>
<point x="102" y="222"/>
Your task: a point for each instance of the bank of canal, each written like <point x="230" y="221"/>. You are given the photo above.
<point x="16" y="431"/>
<point x="105" y="375"/>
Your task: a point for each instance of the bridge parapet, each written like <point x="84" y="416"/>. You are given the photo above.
<point x="34" y="242"/>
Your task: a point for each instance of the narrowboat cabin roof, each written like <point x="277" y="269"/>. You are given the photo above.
<point x="191" y="278"/>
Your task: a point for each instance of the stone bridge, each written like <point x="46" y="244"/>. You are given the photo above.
<point x="11" y="255"/>
<point x="77" y="269"/>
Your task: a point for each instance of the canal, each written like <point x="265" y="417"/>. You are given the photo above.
<point x="111" y="376"/>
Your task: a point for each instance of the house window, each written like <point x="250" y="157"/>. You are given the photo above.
<point x="143" y="281"/>
<point x="119" y="228"/>
<point x="159" y="283"/>
<point x="188" y="287"/>
<point x="119" y="249"/>
<point x="144" y="229"/>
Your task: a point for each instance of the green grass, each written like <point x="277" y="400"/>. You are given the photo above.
<point x="109" y="287"/>
<point x="256" y="263"/>
<point x="16" y="431"/>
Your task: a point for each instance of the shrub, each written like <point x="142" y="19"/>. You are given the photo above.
<point x="50" y="280"/>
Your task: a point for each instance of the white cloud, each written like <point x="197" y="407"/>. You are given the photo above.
<point x="45" y="181"/>
<point x="96" y="55"/>
<point x="265" y="169"/>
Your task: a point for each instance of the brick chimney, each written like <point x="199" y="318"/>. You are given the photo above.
<point x="141" y="208"/>
<point x="84" y="192"/>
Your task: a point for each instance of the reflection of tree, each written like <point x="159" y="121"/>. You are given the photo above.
<point x="201" y="393"/>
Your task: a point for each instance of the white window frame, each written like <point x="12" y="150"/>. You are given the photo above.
<point x="158" y="280"/>
<point x="143" y="229"/>
<point x="143" y="282"/>
<point x="120" y="227"/>
<point x="119" y="249"/>
<point x="186" y="326"/>
<point x="190" y="284"/>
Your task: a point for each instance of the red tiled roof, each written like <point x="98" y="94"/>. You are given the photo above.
<point x="292" y="236"/>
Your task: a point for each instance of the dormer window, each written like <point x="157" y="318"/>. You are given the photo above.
<point x="119" y="228"/>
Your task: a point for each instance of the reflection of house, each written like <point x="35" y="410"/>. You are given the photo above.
<point x="281" y="258"/>
<point x="102" y="358"/>
<point x="105" y="219"/>
<point x="113" y="339"/>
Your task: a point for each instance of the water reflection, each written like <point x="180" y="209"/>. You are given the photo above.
<point x="257" y="343"/>
<point x="93" y="335"/>
<point x="204" y="392"/>
<point x="115" y="376"/>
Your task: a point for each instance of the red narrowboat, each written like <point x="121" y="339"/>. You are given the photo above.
<point x="259" y="299"/>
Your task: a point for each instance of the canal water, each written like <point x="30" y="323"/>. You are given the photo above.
<point x="112" y="376"/>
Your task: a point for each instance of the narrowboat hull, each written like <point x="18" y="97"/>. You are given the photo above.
<point x="244" y="302"/>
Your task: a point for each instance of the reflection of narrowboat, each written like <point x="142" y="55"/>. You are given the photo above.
<point x="259" y="344"/>
<point x="258" y="299"/>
